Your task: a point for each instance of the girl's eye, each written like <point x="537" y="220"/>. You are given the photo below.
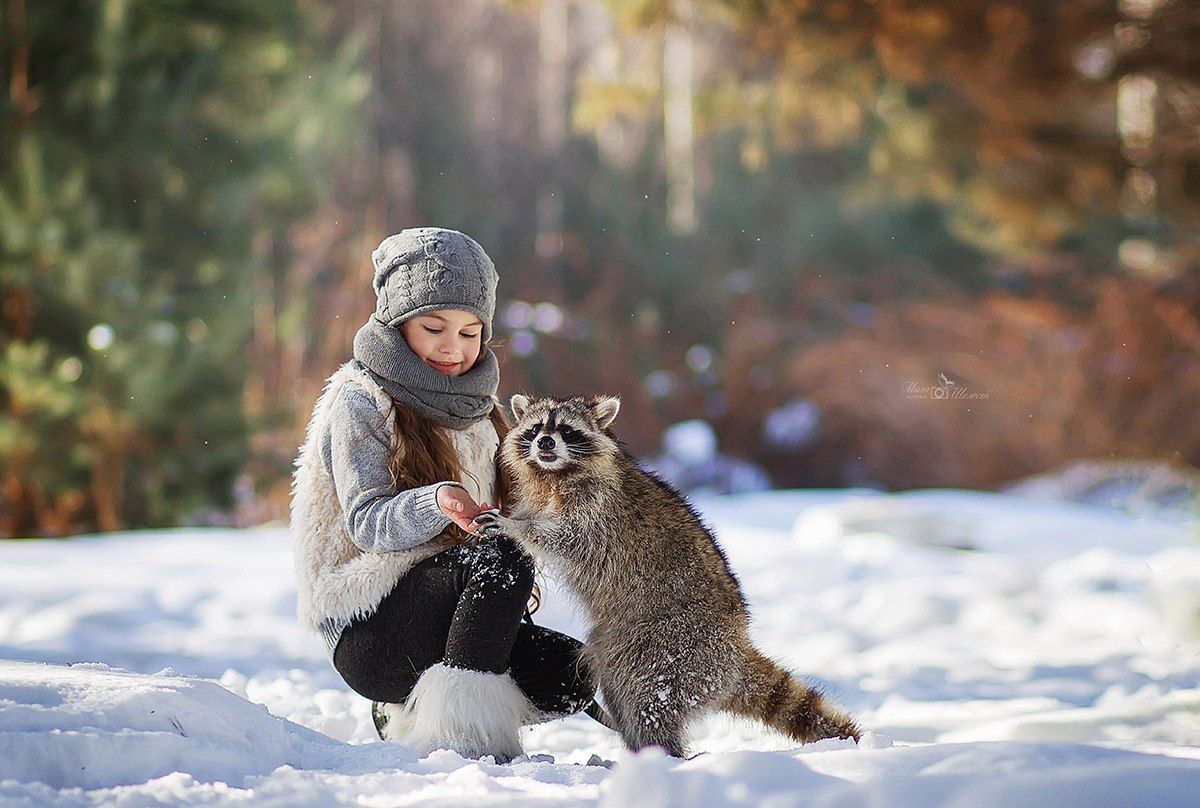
<point x="432" y="330"/>
<point x="467" y="336"/>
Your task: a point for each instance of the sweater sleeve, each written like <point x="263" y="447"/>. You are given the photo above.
<point x="379" y="518"/>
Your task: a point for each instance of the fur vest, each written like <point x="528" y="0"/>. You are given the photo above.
<point x="337" y="581"/>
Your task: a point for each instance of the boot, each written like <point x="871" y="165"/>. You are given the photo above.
<point x="380" y="714"/>
<point x="473" y="713"/>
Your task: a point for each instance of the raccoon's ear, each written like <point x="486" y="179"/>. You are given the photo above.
<point x="519" y="404"/>
<point x="606" y="408"/>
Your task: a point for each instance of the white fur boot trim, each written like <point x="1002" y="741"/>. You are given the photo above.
<point x="471" y="712"/>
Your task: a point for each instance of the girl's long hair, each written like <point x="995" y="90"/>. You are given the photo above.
<point x="423" y="455"/>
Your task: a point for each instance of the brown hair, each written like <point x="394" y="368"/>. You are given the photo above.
<point x="422" y="454"/>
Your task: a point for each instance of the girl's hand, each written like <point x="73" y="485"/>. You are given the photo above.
<point x="456" y="503"/>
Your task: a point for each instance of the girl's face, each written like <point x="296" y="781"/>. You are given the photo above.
<point x="447" y="339"/>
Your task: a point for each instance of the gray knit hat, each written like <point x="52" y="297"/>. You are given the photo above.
<point x="423" y="269"/>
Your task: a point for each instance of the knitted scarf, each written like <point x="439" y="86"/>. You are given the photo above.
<point x="455" y="401"/>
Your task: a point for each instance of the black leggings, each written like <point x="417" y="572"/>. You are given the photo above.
<point x="464" y="607"/>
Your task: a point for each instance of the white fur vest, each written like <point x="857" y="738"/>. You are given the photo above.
<point x="337" y="581"/>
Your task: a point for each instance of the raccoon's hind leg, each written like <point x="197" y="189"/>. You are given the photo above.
<point x="649" y="719"/>
<point x="773" y="696"/>
<point x="646" y="723"/>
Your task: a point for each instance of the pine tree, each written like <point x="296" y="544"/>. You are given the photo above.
<point x="152" y="155"/>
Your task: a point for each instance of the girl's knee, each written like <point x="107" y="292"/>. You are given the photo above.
<point x="503" y="560"/>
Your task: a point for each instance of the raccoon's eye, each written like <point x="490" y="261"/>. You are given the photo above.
<point x="531" y="433"/>
<point x="568" y="433"/>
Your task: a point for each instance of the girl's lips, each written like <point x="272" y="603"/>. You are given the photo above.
<point x="443" y="366"/>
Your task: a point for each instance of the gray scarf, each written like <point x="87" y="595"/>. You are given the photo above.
<point x="454" y="401"/>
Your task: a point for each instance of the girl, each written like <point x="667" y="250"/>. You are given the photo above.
<point x="399" y="458"/>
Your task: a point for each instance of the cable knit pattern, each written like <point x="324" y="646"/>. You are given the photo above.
<point x="424" y="269"/>
<point x="337" y="579"/>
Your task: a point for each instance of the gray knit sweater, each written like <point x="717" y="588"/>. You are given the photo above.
<point x="354" y="451"/>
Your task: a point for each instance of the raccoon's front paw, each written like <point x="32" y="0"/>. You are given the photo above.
<point x="491" y="523"/>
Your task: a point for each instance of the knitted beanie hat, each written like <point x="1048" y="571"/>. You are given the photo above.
<point x="423" y="269"/>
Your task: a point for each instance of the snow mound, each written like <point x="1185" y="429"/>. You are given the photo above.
<point x="978" y="775"/>
<point x="92" y="726"/>
<point x="1036" y="530"/>
<point x="1131" y="486"/>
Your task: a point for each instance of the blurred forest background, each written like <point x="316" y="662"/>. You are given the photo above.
<point x="891" y="242"/>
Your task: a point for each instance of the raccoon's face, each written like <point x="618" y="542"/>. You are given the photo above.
<point x="559" y="436"/>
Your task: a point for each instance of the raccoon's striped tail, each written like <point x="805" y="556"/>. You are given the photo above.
<point x="773" y="696"/>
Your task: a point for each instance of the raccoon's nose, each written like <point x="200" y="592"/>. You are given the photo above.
<point x="546" y="443"/>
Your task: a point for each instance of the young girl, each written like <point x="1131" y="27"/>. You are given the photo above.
<point x="400" y="456"/>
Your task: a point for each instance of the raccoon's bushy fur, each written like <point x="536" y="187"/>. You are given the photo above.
<point x="669" y="636"/>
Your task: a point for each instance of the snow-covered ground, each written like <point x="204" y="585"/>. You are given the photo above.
<point x="1055" y="662"/>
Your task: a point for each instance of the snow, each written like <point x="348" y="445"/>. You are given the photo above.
<point x="1056" y="662"/>
<point x="91" y="726"/>
<point x="692" y="442"/>
<point x="793" y="426"/>
<point x="691" y="462"/>
<point x="1132" y="486"/>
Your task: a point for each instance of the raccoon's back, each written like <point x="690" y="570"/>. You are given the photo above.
<point x="672" y="540"/>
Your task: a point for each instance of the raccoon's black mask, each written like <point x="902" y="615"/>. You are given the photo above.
<point x="553" y="435"/>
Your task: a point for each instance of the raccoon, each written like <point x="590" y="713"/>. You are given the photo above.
<point x="669" y="638"/>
